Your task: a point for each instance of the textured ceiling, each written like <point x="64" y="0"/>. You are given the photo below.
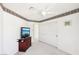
<point x="40" y="11"/>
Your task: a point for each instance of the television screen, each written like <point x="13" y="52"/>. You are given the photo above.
<point x="25" y="32"/>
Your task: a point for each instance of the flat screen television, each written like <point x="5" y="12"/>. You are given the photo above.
<point x="25" y="32"/>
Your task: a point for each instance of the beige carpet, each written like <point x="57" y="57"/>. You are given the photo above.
<point x="40" y="48"/>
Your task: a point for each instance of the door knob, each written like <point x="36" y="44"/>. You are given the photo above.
<point x="56" y="35"/>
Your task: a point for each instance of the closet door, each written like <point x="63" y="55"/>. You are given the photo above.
<point x="0" y="35"/>
<point x="53" y="33"/>
<point x="11" y="33"/>
<point x="48" y="32"/>
<point x="1" y="26"/>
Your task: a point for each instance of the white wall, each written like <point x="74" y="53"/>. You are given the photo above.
<point x="68" y="36"/>
<point x="68" y="39"/>
<point x="1" y="21"/>
<point x="11" y="32"/>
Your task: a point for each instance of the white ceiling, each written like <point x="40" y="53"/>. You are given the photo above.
<point x="40" y="11"/>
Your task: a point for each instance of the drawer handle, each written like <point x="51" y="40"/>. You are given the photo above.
<point x="22" y="41"/>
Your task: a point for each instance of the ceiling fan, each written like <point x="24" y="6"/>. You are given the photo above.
<point x="41" y="12"/>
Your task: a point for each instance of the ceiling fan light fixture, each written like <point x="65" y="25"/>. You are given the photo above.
<point x="43" y="13"/>
<point x="31" y="8"/>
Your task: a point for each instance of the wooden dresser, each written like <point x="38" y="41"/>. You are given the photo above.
<point x="24" y="44"/>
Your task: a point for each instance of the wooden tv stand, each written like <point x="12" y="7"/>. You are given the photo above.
<point x="24" y="44"/>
